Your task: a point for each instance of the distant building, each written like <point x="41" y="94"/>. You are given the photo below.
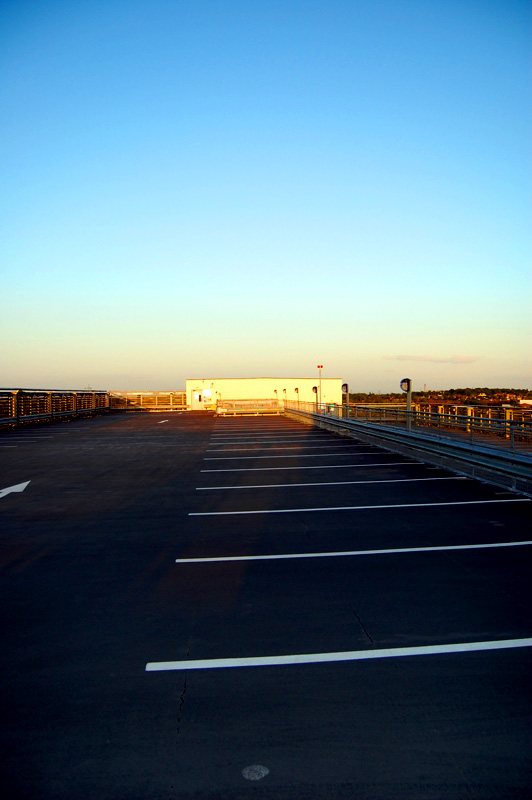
<point x="204" y="393"/>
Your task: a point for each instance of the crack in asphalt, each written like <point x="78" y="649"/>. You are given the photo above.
<point x="364" y="629"/>
<point x="181" y="704"/>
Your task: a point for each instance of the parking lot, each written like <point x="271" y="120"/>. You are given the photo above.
<point x="200" y="607"/>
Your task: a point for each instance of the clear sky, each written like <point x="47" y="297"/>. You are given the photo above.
<point x="234" y="188"/>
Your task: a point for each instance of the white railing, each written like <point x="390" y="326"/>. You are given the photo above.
<point x="252" y="407"/>
<point x="148" y="401"/>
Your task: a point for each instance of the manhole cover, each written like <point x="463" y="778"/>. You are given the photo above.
<point x="255" y="772"/>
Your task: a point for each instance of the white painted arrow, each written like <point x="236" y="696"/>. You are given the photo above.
<point x="19" y="487"/>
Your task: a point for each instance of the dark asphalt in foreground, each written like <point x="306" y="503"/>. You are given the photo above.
<point x="98" y="583"/>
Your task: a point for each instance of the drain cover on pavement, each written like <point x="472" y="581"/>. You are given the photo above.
<point x="255" y="772"/>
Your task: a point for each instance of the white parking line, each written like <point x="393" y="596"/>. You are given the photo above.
<point x="255" y="429"/>
<point x="264" y="435"/>
<point x="268" y="442"/>
<point x="327" y="483"/>
<point x="28" y="439"/>
<point x="34" y="438"/>
<point x="321" y="466"/>
<point x="350" y="655"/>
<point x="222" y="438"/>
<point x="298" y="448"/>
<point x="355" y="508"/>
<point x="296" y="455"/>
<point x="348" y="553"/>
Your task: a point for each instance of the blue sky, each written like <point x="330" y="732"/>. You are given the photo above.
<point x="251" y="188"/>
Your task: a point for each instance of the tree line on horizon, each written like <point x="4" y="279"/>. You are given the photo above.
<point x="483" y="395"/>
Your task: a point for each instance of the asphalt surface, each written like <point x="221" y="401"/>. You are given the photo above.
<point x="122" y="647"/>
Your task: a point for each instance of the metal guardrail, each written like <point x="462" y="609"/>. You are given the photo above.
<point x="500" y="428"/>
<point x="18" y="406"/>
<point x="148" y="401"/>
<point x="521" y="413"/>
<point x="252" y="407"/>
<point x="494" y="455"/>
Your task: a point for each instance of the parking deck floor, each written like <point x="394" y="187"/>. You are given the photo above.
<point x="198" y="607"/>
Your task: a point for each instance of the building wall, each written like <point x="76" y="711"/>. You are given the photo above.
<point x="213" y="389"/>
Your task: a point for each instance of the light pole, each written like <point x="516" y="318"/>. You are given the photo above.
<point x="345" y="390"/>
<point x="320" y="367"/>
<point x="406" y="386"/>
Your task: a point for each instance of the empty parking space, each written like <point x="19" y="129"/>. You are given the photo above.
<point x="186" y="597"/>
<point x="430" y="569"/>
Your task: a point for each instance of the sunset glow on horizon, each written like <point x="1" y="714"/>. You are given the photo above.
<point x="237" y="189"/>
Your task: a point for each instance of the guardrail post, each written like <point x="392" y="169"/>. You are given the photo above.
<point x="508" y="420"/>
<point x="17" y="407"/>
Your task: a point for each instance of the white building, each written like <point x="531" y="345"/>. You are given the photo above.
<point x="204" y="393"/>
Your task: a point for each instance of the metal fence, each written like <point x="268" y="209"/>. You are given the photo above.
<point x="148" y="401"/>
<point x="510" y="428"/>
<point x="32" y="405"/>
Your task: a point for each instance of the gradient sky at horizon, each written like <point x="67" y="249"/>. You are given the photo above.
<point x="240" y="188"/>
